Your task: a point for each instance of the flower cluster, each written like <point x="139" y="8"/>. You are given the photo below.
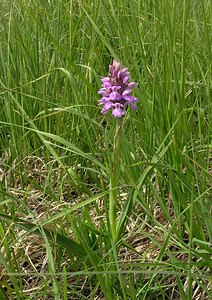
<point x="116" y="90"/>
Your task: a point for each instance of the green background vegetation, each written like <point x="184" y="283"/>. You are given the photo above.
<point x="56" y="150"/>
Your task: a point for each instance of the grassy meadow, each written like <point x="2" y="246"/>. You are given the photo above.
<point x="57" y="153"/>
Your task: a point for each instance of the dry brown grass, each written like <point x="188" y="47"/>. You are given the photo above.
<point x="29" y="252"/>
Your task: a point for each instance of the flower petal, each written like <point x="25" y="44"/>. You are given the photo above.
<point x="105" y="79"/>
<point x="118" y="112"/>
<point x="108" y="105"/>
<point x="126" y="92"/>
<point x="107" y="84"/>
<point x="125" y="70"/>
<point x="103" y="100"/>
<point x="128" y="98"/>
<point x="131" y="84"/>
<point x="115" y="88"/>
<point x="133" y="106"/>
<point x="102" y="92"/>
<point x="115" y="96"/>
<point x="125" y="79"/>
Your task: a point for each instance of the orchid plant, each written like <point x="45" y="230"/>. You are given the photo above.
<point x="116" y="96"/>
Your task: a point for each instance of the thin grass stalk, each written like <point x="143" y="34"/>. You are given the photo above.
<point x="189" y="294"/>
<point x="114" y="180"/>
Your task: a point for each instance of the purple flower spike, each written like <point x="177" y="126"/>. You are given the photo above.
<point x="116" y="90"/>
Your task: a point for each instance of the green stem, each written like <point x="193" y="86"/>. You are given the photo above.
<point x="114" y="179"/>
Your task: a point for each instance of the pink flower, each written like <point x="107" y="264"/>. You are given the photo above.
<point x="116" y="90"/>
